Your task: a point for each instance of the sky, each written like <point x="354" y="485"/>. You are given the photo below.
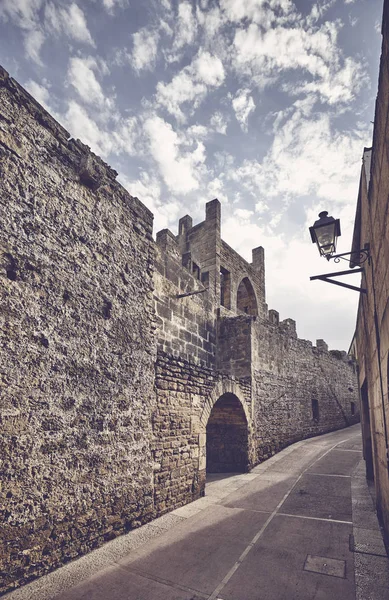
<point x="264" y="104"/>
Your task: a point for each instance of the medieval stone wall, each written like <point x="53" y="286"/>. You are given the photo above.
<point x="300" y="390"/>
<point x="129" y="368"/>
<point x="237" y="270"/>
<point x="185" y="315"/>
<point x="77" y="346"/>
<point x="186" y="375"/>
<point x="186" y="394"/>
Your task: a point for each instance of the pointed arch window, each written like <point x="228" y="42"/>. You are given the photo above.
<point x="246" y="301"/>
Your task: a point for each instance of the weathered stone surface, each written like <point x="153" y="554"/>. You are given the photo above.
<point x="289" y="389"/>
<point x="129" y="368"/>
<point x="77" y="347"/>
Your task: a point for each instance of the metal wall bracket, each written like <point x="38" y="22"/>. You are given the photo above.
<point x="328" y="278"/>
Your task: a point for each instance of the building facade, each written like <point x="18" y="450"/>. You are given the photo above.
<point x="371" y="341"/>
<point x="129" y="367"/>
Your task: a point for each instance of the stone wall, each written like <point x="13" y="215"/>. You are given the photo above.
<point x="129" y="368"/>
<point x="371" y="342"/>
<point x="287" y="389"/>
<point x="186" y="376"/>
<point x="77" y="346"/>
<point x="185" y="316"/>
<point x="186" y="394"/>
<point x="300" y="390"/>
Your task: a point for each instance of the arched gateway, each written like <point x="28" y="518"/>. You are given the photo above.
<point x="226" y="432"/>
<point x="227" y="437"/>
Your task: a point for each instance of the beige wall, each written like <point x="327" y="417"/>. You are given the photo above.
<point x="371" y="343"/>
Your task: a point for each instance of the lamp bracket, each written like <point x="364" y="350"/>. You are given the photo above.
<point x="328" y="278"/>
<point x="360" y="256"/>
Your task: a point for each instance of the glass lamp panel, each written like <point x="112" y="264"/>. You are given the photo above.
<point x="325" y="236"/>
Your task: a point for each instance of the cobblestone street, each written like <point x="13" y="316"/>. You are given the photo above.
<point x="300" y="526"/>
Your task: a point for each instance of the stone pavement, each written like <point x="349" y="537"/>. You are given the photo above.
<point x="300" y="526"/>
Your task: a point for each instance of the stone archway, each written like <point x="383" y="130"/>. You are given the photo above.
<point x="224" y="390"/>
<point x="227" y="437"/>
<point x="245" y="299"/>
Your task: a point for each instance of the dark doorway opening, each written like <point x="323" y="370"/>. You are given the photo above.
<point x="315" y="410"/>
<point x="227" y="437"/>
<point x="366" y="432"/>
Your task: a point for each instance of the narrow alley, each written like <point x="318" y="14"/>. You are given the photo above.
<point x="300" y="526"/>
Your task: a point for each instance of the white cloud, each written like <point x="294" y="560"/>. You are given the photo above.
<point x="186" y="26"/>
<point x="116" y="137"/>
<point x="353" y="20"/>
<point x="264" y="12"/>
<point x="308" y="157"/>
<point x="265" y="55"/>
<point x="59" y="18"/>
<point x="110" y="5"/>
<point x="338" y="87"/>
<point x="243" y="213"/>
<point x="21" y="12"/>
<point x="196" y="132"/>
<point x="211" y="21"/>
<point x="145" y="48"/>
<point x="69" y="20"/>
<point x="148" y="189"/>
<point x="178" y="167"/>
<point x="33" y="42"/>
<point x="82" y="77"/>
<point x="219" y="123"/>
<point x="243" y="105"/>
<point x="208" y="69"/>
<point x="126" y="137"/>
<point x="216" y="188"/>
<point x="81" y="125"/>
<point x="39" y="92"/>
<point x="182" y="89"/>
<point x="190" y="86"/>
<point x="261" y="207"/>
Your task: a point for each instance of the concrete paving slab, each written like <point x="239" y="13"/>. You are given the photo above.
<point x="261" y="494"/>
<point x="199" y="554"/>
<point x="274" y="569"/>
<point x="296" y="461"/>
<point x="337" y="462"/>
<point x="115" y="583"/>
<point x="353" y="443"/>
<point x="325" y="566"/>
<point x="324" y="497"/>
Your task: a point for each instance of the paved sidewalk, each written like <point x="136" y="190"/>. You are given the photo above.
<point x="301" y="526"/>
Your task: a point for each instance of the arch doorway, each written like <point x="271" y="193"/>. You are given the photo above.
<point x="227" y="437"/>
<point x="246" y="300"/>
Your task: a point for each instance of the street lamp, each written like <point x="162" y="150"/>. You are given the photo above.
<point x="325" y="233"/>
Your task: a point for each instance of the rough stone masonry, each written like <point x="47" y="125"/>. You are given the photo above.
<point x="129" y="368"/>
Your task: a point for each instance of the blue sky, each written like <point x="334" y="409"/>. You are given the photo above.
<point x="264" y="104"/>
